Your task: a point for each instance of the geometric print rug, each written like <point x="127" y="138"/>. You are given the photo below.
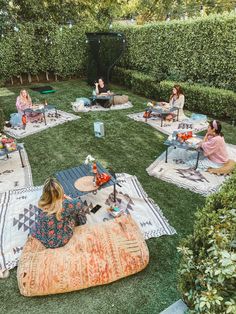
<point x="32" y="128"/>
<point x="12" y="175"/>
<point x="18" y="211"/>
<point x="176" y="171"/>
<point x="155" y="122"/>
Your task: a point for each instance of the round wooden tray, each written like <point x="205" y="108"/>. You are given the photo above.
<point x="85" y="184"/>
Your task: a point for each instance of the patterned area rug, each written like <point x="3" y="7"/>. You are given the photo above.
<point x="32" y="128"/>
<point x="18" y="211"/>
<point x="155" y="122"/>
<point x="177" y="172"/>
<point x="100" y="108"/>
<point x="12" y="175"/>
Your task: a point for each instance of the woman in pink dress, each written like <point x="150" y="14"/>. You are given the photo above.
<point x="213" y="147"/>
<point x="213" y="144"/>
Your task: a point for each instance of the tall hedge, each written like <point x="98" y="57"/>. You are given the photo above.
<point x="42" y="47"/>
<point x="208" y="264"/>
<point x="200" y="50"/>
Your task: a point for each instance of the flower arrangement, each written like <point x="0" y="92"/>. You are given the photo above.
<point x="89" y="160"/>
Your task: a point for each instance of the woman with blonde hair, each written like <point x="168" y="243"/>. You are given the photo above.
<point x="24" y="102"/>
<point x="57" y="216"/>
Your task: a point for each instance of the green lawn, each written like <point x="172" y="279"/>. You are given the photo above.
<point x="128" y="146"/>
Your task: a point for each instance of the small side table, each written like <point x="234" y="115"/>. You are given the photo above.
<point x="42" y="110"/>
<point x="69" y="177"/>
<point x="185" y="146"/>
<point x="5" y="152"/>
<point x="96" y="98"/>
<point x="162" y="112"/>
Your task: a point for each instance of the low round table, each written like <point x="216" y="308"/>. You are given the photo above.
<point x="85" y="184"/>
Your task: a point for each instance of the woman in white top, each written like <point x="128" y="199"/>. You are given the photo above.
<point x="176" y="100"/>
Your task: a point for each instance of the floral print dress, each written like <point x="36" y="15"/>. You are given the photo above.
<point x="53" y="233"/>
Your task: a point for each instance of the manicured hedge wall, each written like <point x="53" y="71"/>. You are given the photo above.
<point x="44" y="47"/>
<point x="208" y="264"/>
<point x="200" y="50"/>
<point x="212" y="101"/>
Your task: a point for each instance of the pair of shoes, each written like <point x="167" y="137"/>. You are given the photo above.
<point x="4" y="274"/>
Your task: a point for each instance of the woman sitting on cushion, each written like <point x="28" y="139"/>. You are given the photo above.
<point x="214" y="148"/>
<point x="24" y="102"/>
<point x="102" y="90"/>
<point x="213" y="144"/>
<point x="57" y="216"/>
<point x="176" y="100"/>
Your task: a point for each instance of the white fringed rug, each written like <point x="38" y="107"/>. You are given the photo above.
<point x="155" y="122"/>
<point x="18" y="212"/>
<point x="12" y="175"/>
<point x="32" y="128"/>
<point x="177" y="172"/>
<point x="100" y="108"/>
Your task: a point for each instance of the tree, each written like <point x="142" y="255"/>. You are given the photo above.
<point x="157" y="10"/>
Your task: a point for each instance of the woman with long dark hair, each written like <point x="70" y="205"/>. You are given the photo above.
<point x="176" y="100"/>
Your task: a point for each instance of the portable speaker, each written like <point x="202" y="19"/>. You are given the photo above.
<point x="99" y="129"/>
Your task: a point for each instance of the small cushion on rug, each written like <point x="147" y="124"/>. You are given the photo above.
<point x="80" y="104"/>
<point x="228" y="168"/>
<point x="120" y="99"/>
<point x="95" y="255"/>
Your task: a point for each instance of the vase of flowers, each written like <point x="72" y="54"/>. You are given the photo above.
<point x="89" y="163"/>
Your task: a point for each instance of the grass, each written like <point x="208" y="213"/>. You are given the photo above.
<point x="128" y="146"/>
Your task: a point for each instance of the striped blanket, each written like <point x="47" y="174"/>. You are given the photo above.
<point x="18" y="212"/>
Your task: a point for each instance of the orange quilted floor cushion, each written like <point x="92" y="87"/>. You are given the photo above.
<point x="95" y="255"/>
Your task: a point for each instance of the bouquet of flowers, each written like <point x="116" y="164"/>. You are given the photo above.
<point x="89" y="160"/>
<point x="149" y="104"/>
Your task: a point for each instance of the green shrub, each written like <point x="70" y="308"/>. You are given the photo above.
<point x="199" y="50"/>
<point x="212" y="101"/>
<point x="138" y="82"/>
<point x="208" y="264"/>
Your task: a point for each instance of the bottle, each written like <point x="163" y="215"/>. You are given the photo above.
<point x="24" y="121"/>
<point x="45" y="103"/>
<point x="95" y="172"/>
